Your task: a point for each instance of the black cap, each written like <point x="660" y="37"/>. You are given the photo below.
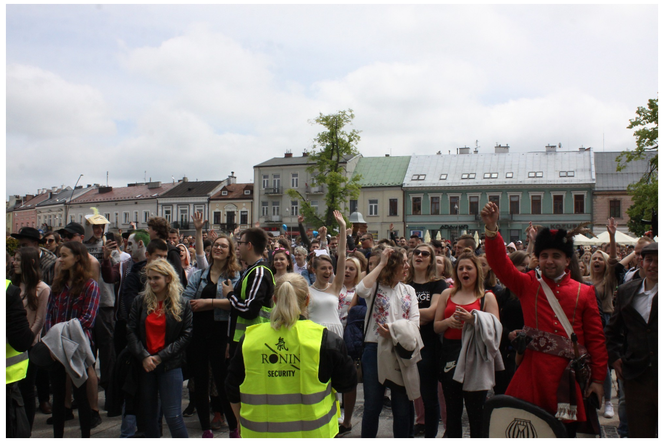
<point x="28" y="233"/>
<point x="72" y="228"/>
<point x="650" y="249"/>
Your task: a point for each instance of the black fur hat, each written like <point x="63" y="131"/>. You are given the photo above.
<point x="554" y="239"/>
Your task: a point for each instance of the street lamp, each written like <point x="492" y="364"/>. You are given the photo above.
<point x="67" y="204"/>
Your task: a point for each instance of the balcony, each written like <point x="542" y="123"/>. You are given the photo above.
<point x="274" y="190"/>
<point x="275" y="218"/>
<point x="226" y="227"/>
<point x="314" y="189"/>
<point x="180" y="225"/>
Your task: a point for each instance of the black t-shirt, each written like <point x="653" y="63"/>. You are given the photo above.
<point x="205" y="320"/>
<point x="424" y="293"/>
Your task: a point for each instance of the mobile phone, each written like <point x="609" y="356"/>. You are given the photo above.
<point x="110" y="236"/>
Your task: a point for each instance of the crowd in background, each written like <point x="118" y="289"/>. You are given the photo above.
<point x="159" y="309"/>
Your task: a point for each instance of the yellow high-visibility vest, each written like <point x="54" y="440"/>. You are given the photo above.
<point x="263" y="315"/>
<point x="281" y="395"/>
<point x="17" y="362"/>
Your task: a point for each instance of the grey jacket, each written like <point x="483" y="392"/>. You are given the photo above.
<point x="69" y="344"/>
<point x="480" y="353"/>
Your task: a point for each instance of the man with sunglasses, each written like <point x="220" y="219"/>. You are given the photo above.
<point x="30" y="237"/>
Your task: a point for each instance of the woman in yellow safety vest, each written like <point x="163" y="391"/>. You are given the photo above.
<point x="282" y="379"/>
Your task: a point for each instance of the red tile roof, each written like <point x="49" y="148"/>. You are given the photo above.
<point x="140" y="191"/>
<point x="235" y="192"/>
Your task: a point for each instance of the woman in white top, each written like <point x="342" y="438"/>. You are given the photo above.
<point x="394" y="300"/>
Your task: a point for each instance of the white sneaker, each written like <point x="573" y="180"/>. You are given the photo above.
<point x="341" y="419"/>
<point x="608" y="410"/>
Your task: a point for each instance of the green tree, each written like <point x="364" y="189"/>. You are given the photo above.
<point x="328" y="168"/>
<point x="643" y="192"/>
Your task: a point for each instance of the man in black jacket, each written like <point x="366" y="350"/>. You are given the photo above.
<point x="631" y="339"/>
<point x="159" y="227"/>
<point x="19" y="337"/>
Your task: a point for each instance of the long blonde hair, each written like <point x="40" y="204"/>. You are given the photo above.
<point x="605" y="288"/>
<point x="290" y="300"/>
<point x="172" y="301"/>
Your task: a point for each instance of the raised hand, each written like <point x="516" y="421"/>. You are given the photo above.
<point x="391" y="226"/>
<point x="340" y="220"/>
<point x="531" y="232"/>
<point x="212" y="235"/>
<point x="490" y="215"/>
<point x="611" y="227"/>
<point x="385" y="256"/>
<point x="322" y="232"/>
<point x="300" y="219"/>
<point x="199" y="222"/>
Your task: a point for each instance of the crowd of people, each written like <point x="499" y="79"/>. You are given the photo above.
<point x="273" y="334"/>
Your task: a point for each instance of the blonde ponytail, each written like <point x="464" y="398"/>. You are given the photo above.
<point x="290" y="298"/>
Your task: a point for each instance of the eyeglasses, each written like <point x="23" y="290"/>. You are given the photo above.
<point x="242" y="242"/>
<point x="424" y="253"/>
<point x="222" y="246"/>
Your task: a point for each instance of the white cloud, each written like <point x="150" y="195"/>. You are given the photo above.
<point x="42" y="104"/>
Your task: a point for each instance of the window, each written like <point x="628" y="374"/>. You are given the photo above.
<point x="295" y="207"/>
<point x="244" y="217"/>
<point x="167" y="214"/>
<point x="275" y="208"/>
<point x="314" y="206"/>
<point x="266" y="181"/>
<point x="183" y="214"/>
<point x="418" y="177"/>
<point x="579" y="204"/>
<point x="454" y="205"/>
<point x="473" y="205"/>
<point x="352" y="206"/>
<point x="294" y="180"/>
<point x="495" y="199"/>
<point x="536" y="205"/>
<point x="514" y="204"/>
<point x="247" y="192"/>
<point x="146" y="216"/>
<point x="490" y="175"/>
<point x="443" y="177"/>
<point x="125" y="217"/>
<point x="514" y="235"/>
<point x="566" y="173"/>
<point x="373" y="207"/>
<point x="264" y="208"/>
<point x="276" y="181"/>
<point x="417" y="205"/>
<point x="614" y="209"/>
<point x="509" y="175"/>
<point x="135" y="216"/>
<point x="563" y="173"/>
<point x="471" y="176"/>
<point x="106" y="215"/>
<point x="224" y="192"/>
<point x="467" y="176"/>
<point x="394" y="207"/>
<point x="117" y="219"/>
<point x="464" y="176"/>
<point x="535" y="174"/>
<point x="570" y="173"/>
<point x="216" y="217"/>
<point x="558" y="204"/>
<point x="435" y="205"/>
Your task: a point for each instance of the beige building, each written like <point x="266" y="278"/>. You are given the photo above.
<point x="232" y="206"/>
<point x="381" y="200"/>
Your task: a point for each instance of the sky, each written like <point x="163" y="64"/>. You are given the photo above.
<point x="158" y="92"/>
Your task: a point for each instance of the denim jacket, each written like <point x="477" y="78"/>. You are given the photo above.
<point x="197" y="282"/>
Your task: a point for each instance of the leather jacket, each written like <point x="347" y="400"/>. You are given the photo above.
<point x="178" y="334"/>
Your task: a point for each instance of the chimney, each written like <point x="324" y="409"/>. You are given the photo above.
<point x="288" y="154"/>
<point x="551" y="148"/>
<point x="154" y="184"/>
<point x="28" y="198"/>
<point x="502" y="149"/>
<point x="105" y="189"/>
<point x="387" y="154"/>
<point x="464" y="150"/>
<point x="232" y="179"/>
<point x="305" y="154"/>
<point x="185" y="179"/>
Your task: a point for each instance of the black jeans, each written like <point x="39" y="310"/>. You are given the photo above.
<point x="103" y="339"/>
<point x="209" y="348"/>
<point x="455" y="396"/>
<point x="27" y="388"/>
<point x="429" y="388"/>
<point x="58" y="381"/>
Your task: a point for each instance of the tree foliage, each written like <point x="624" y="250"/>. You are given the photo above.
<point x="643" y="192"/>
<point x="328" y="167"/>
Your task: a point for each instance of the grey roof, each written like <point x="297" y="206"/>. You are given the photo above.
<point x="191" y="188"/>
<point x="382" y="171"/>
<point x="609" y="179"/>
<point x="65" y="196"/>
<point x="519" y="164"/>
<point x="295" y="161"/>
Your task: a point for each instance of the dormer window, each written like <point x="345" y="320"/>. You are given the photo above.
<point x="490" y="175"/>
<point x="443" y="177"/>
<point x="464" y="176"/>
<point x="418" y="177"/>
<point x="224" y="192"/>
<point x="467" y="176"/>
<point x="509" y="175"/>
<point x="535" y="174"/>
<point x="247" y="192"/>
<point x="566" y="173"/>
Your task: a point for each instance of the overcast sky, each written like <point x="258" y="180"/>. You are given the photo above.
<point x="200" y="91"/>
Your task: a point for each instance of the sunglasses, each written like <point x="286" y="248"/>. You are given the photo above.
<point x="424" y="253"/>
<point x="49" y="241"/>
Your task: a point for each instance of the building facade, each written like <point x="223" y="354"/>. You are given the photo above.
<point x="179" y="204"/>
<point x="273" y="207"/>
<point x="381" y="200"/>
<point x="53" y="213"/>
<point x="232" y="206"/>
<point x="610" y="197"/>
<point x="445" y="193"/>
<point x="121" y="205"/>
<point x="25" y="214"/>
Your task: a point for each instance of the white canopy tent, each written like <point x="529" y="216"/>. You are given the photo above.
<point x="621" y="238"/>
<point x="582" y="240"/>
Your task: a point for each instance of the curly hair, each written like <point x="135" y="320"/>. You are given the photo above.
<point x="160" y="225"/>
<point x="172" y="301"/>
<point x="388" y="275"/>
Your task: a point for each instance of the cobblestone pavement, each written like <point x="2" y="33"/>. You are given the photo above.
<point x="110" y="427"/>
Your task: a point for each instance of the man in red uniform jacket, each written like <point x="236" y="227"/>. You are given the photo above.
<point x="538" y="377"/>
